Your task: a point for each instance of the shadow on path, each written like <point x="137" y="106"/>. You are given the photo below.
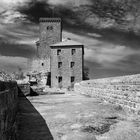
<point x="32" y="125"/>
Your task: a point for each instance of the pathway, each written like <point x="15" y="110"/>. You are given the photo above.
<point x="59" y="117"/>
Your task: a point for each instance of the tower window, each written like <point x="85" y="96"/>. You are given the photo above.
<point x="58" y="51"/>
<point x="72" y="79"/>
<point x="42" y="64"/>
<point x="72" y="64"/>
<point x="73" y="51"/>
<point x="49" y="28"/>
<point x="59" y="64"/>
<point x="60" y="79"/>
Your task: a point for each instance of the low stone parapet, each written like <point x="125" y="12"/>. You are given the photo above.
<point x="124" y="91"/>
<point x="24" y="89"/>
<point x="8" y="110"/>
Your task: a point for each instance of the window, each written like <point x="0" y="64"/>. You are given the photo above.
<point x="72" y="64"/>
<point x="73" y="51"/>
<point x="59" y="79"/>
<point x="42" y="64"/>
<point x="49" y="28"/>
<point x="59" y="64"/>
<point x="72" y="79"/>
<point x="58" y="52"/>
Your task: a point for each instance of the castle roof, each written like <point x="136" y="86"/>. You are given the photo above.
<point x="68" y="42"/>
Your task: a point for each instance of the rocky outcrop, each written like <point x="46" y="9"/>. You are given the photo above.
<point x="8" y="110"/>
<point x="123" y="91"/>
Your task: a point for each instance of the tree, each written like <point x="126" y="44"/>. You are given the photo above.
<point x="86" y="73"/>
<point x="20" y="74"/>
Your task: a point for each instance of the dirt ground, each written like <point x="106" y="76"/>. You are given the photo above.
<point x="74" y="117"/>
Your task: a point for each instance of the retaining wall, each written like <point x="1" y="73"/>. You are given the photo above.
<point x="24" y="89"/>
<point x="8" y="110"/>
<point x="124" y="91"/>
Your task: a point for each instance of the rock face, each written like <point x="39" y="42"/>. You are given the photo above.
<point x="8" y="110"/>
<point x="123" y="91"/>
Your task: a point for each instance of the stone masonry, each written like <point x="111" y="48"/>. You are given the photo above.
<point x="50" y="32"/>
<point x="70" y="70"/>
<point x="8" y="110"/>
<point x="123" y="91"/>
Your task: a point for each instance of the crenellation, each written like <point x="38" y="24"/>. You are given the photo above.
<point x="50" y="19"/>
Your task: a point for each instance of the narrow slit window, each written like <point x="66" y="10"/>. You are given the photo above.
<point x="58" y="52"/>
<point x="60" y="79"/>
<point x="73" y="51"/>
<point x="49" y="27"/>
<point x="59" y="64"/>
<point x="72" y="79"/>
<point x="72" y="64"/>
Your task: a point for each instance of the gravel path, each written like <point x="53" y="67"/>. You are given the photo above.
<point x="69" y="117"/>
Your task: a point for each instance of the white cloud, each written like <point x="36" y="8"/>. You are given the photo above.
<point x="89" y="42"/>
<point x="12" y="63"/>
<point x="102" y="52"/>
<point x="111" y="55"/>
<point x="74" y="2"/>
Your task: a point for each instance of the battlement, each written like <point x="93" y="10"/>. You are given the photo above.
<point x="50" y="20"/>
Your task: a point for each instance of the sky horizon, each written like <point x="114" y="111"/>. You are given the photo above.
<point x="107" y="54"/>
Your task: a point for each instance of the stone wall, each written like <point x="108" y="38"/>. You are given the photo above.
<point x="50" y="32"/>
<point x="39" y="65"/>
<point x="23" y="89"/>
<point x="124" y="91"/>
<point x="8" y="110"/>
<point x="66" y="71"/>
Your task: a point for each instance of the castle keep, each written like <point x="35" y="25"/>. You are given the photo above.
<point x="50" y="32"/>
<point x="60" y="62"/>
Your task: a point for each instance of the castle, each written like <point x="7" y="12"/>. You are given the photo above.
<point x="58" y="63"/>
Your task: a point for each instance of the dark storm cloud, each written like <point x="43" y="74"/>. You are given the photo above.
<point x="16" y="50"/>
<point x="36" y="9"/>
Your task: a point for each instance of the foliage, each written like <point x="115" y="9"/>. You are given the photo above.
<point x="19" y="75"/>
<point x="86" y="73"/>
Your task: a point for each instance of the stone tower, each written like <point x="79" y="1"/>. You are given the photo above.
<point x="50" y="33"/>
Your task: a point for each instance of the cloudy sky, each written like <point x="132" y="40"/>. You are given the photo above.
<point x="106" y="53"/>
